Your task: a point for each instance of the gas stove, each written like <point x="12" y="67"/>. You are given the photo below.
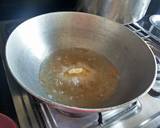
<point x="32" y="113"/>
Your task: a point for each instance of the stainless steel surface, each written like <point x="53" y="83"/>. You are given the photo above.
<point x="59" y="120"/>
<point x="147" y="115"/>
<point x="149" y="121"/>
<point x="153" y="42"/>
<point x="48" y="117"/>
<point x="148" y="110"/>
<point x="142" y="115"/>
<point x="35" y="39"/>
<point x="156" y="49"/>
<point x="155" y="28"/>
<point x="155" y="20"/>
<point x="151" y="105"/>
<point x="122" y="11"/>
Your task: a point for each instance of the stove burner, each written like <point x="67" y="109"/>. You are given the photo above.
<point x="94" y="120"/>
<point x="72" y="115"/>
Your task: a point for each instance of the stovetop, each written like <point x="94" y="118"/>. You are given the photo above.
<point x="32" y="113"/>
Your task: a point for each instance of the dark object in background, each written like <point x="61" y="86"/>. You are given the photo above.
<point x="6" y="103"/>
<point x="154" y="8"/>
<point x="6" y="122"/>
<point x="13" y="9"/>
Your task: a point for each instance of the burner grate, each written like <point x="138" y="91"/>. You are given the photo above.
<point x="55" y="119"/>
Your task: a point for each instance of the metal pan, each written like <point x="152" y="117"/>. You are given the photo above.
<point x="32" y="41"/>
<point x="121" y="11"/>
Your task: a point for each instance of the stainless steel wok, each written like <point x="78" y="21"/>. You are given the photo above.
<point x="32" y="41"/>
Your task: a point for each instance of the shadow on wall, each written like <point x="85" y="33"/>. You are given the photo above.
<point x="154" y="8"/>
<point x="12" y="9"/>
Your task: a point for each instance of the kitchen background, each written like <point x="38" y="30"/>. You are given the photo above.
<point x="13" y="9"/>
<point x="24" y="9"/>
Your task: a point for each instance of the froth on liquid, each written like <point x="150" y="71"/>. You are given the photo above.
<point x="79" y="77"/>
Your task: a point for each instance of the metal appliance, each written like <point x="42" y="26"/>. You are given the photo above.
<point x="26" y="50"/>
<point x="122" y="11"/>
<point x="31" y="113"/>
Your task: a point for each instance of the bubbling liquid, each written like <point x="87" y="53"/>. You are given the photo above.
<point x="79" y="77"/>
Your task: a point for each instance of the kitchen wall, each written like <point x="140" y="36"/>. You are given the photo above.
<point x="154" y="8"/>
<point x="11" y="9"/>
